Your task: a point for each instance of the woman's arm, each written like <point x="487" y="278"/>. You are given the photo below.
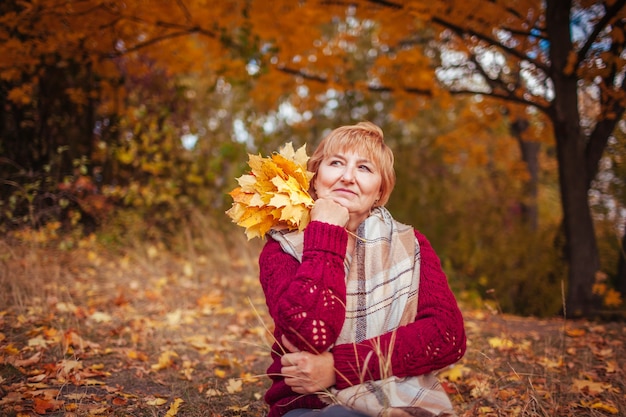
<point x="434" y="340"/>
<point x="307" y="300"/>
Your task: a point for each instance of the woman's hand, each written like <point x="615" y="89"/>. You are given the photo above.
<point x="328" y="211"/>
<point x="305" y="372"/>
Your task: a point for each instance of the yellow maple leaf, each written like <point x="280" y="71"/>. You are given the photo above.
<point x="234" y="386"/>
<point x="258" y="230"/>
<point x="238" y="409"/>
<point x="240" y="196"/>
<point x="270" y="169"/>
<point x="611" y="367"/>
<point x="236" y="212"/>
<point x="455" y="373"/>
<point x="212" y="392"/>
<point x="301" y="158"/>
<point x="156" y="401"/>
<point x="246" y="182"/>
<point x="288" y="152"/>
<point x="293" y="213"/>
<point x="256" y="164"/>
<point x="165" y="360"/>
<point x="599" y="405"/>
<point x="258" y="200"/>
<point x="590" y="387"/>
<point x="291" y="168"/>
<point x="551" y="363"/>
<point x="500" y="343"/>
<point x="255" y="218"/>
<point x="11" y="350"/>
<point x="173" y="410"/>
<point x="279" y="200"/>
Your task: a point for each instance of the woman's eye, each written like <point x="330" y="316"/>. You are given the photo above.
<point x="335" y="162"/>
<point x="365" y="168"/>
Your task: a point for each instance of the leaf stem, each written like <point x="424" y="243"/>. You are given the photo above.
<point x="355" y="235"/>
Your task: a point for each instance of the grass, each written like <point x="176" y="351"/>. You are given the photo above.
<point x="133" y="331"/>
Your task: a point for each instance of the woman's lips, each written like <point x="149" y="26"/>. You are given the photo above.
<point x="345" y="191"/>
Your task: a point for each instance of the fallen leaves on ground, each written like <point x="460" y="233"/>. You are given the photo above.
<point x="136" y="336"/>
<point x="161" y="335"/>
<point x="518" y="366"/>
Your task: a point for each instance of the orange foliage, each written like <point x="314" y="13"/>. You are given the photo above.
<point x="315" y="40"/>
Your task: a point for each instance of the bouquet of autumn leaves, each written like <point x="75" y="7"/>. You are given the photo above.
<point x="274" y="194"/>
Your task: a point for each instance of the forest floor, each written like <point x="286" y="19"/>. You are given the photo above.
<point x="86" y="333"/>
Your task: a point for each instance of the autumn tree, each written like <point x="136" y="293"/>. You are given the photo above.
<point x="96" y="94"/>
<point x="551" y="53"/>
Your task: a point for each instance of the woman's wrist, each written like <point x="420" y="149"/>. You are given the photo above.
<point x="324" y="236"/>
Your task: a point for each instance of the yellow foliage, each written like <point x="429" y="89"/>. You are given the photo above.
<point x="455" y="373"/>
<point x="600" y="405"/>
<point x="165" y="360"/>
<point x="234" y="386"/>
<point x="174" y="408"/>
<point x="590" y="387"/>
<point x="610" y="297"/>
<point x="156" y="401"/>
<point x="274" y="194"/>
<point x="500" y="343"/>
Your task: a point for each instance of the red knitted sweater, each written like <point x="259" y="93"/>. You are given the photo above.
<point x="298" y="294"/>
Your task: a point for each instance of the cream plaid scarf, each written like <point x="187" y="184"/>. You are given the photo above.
<point x="382" y="287"/>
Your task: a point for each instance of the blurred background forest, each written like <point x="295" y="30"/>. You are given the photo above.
<point x="129" y="121"/>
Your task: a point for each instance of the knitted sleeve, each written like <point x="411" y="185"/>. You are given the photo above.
<point x="307" y="300"/>
<point x="434" y="340"/>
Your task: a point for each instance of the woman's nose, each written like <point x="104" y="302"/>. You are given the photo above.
<point x="348" y="175"/>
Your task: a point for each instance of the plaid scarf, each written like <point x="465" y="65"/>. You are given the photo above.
<point x="382" y="277"/>
<point x="382" y="286"/>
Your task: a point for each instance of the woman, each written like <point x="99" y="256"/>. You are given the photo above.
<point x="362" y="309"/>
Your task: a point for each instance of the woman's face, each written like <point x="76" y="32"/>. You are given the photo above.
<point x="351" y="180"/>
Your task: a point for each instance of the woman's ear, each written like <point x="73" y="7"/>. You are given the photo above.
<point x="312" y="191"/>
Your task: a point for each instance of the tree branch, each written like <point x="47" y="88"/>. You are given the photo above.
<point x="185" y="10"/>
<point x="611" y="12"/>
<point x="528" y="34"/>
<point x="460" y="31"/>
<point x="372" y="88"/>
<point x="543" y="107"/>
<point x="613" y="110"/>
<point x="153" y="41"/>
<point x="387" y="3"/>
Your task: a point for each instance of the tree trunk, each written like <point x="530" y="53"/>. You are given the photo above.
<point x="620" y="279"/>
<point x="530" y="156"/>
<point x="581" y="248"/>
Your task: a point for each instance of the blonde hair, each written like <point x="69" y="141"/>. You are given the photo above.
<point x="364" y="138"/>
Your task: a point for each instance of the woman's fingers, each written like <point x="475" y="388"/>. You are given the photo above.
<point x="288" y="345"/>
<point x="294" y="378"/>
<point x="288" y="359"/>
<point x="305" y="372"/>
<point x="329" y="211"/>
